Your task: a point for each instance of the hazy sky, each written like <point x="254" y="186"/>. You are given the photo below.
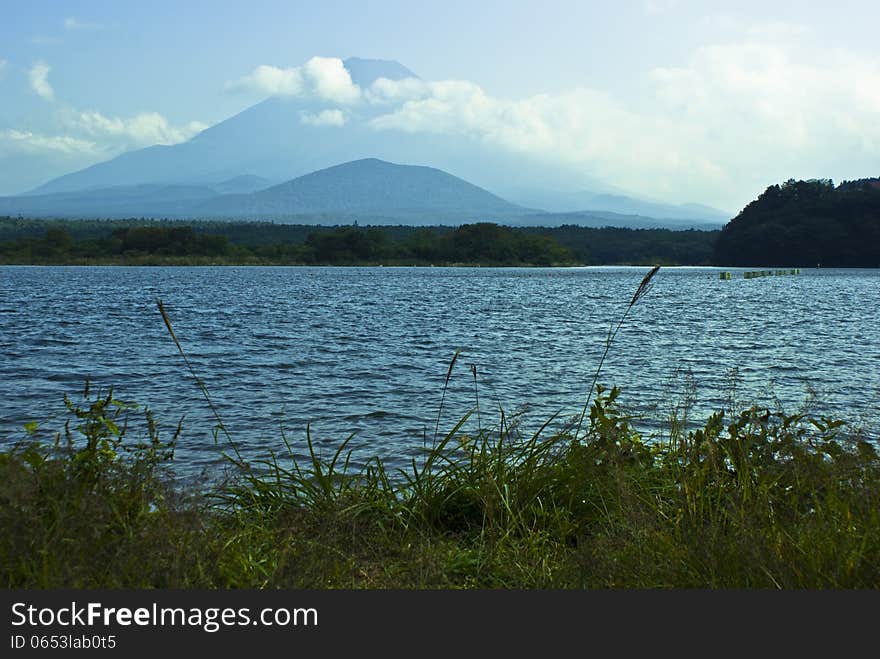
<point x="675" y="100"/>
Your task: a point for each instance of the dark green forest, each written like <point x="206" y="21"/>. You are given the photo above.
<point x="141" y="242"/>
<point x="806" y="224"/>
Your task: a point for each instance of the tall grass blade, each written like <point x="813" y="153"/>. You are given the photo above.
<point x="443" y="395"/>
<point x="641" y="291"/>
<point x="202" y="387"/>
<point x="477" y="399"/>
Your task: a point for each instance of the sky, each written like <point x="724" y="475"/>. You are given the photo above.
<point x="674" y="100"/>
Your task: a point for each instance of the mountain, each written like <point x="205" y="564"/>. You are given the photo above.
<point x="629" y="205"/>
<point x="364" y="71"/>
<point x="368" y="188"/>
<point x="242" y="184"/>
<point x="282" y="138"/>
<point x="602" y="219"/>
<point x="146" y="200"/>
<point x="585" y="201"/>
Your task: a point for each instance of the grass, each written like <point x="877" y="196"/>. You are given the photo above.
<point x="755" y="499"/>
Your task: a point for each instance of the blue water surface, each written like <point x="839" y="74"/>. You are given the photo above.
<point x="365" y="351"/>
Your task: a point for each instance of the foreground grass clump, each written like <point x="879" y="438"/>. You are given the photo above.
<point x="762" y="500"/>
<point x="92" y="509"/>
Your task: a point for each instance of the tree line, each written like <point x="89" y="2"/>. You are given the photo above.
<point x="138" y="241"/>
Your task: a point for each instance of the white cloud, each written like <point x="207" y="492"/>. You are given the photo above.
<point x="39" y="80"/>
<point x="270" y="80"/>
<point x="735" y="118"/>
<point x="323" y="118"/>
<point x="91" y="133"/>
<point x="385" y="91"/>
<point x="76" y="24"/>
<point x="330" y="80"/>
<point x="43" y="40"/>
<point x="33" y="143"/>
<point x="584" y="129"/>
<point x="323" y="78"/>
<point x="144" y="129"/>
<point x="437" y="107"/>
<point x="769" y="109"/>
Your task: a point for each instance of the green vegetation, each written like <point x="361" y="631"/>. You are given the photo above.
<point x="614" y="246"/>
<point x="805" y="224"/>
<point x="755" y="500"/>
<point x="145" y="242"/>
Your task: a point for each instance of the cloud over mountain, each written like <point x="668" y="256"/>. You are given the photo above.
<point x="144" y="129"/>
<point x="27" y="141"/>
<point x="323" y="78"/>
<point x="38" y="76"/>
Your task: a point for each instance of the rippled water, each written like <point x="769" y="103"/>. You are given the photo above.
<point x="366" y="350"/>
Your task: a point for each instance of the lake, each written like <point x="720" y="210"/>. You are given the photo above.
<point x="366" y="350"/>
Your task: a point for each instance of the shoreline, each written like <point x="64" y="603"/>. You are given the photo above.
<point x="760" y="500"/>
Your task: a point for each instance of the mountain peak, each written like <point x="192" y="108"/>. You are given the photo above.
<point x="364" y="72"/>
<point x="369" y="163"/>
<point x="369" y="188"/>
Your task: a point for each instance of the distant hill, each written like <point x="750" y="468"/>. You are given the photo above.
<point x="147" y="200"/>
<point x="242" y="184"/>
<point x="806" y="224"/>
<point x="602" y="219"/>
<point x="367" y="189"/>
<point x="632" y="206"/>
<point x="586" y="201"/>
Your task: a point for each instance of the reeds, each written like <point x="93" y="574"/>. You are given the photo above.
<point x="763" y="500"/>
<point x="443" y="394"/>
<point x="221" y="427"/>
<point x="642" y="290"/>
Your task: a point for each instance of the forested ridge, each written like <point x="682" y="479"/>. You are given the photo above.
<point x="806" y="224"/>
<point x="24" y="241"/>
